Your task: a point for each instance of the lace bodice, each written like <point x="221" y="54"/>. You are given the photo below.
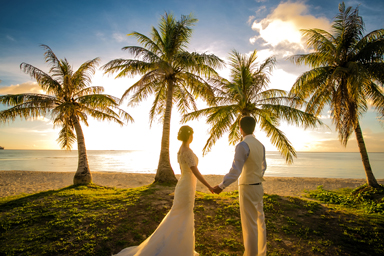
<point x="185" y="156"/>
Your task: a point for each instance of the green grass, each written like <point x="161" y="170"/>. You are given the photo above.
<point x="97" y="220"/>
<point x="364" y="199"/>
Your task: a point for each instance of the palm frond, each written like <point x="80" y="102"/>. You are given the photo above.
<point x="66" y="137"/>
<point x="278" y="138"/>
<point x="125" y="116"/>
<point x="98" y="101"/>
<point x="24" y="111"/>
<point x="158" y="104"/>
<point x="128" y="68"/>
<point x="197" y="86"/>
<point x="147" y="43"/>
<point x="292" y="115"/>
<point x="234" y="132"/>
<point x="16" y="99"/>
<point x="47" y="83"/>
<point x="376" y="95"/>
<point x="89" y="90"/>
<point x="143" y="88"/>
<point x="201" y="64"/>
<point x="370" y="48"/>
<point x="202" y="112"/>
<point x="142" y="53"/>
<point x="50" y="56"/>
<point x="308" y="82"/>
<point x="268" y="95"/>
<point x="185" y="100"/>
<point x="64" y="111"/>
<point x="83" y="76"/>
<point x="221" y="121"/>
<point x="25" y="106"/>
<point x="107" y="114"/>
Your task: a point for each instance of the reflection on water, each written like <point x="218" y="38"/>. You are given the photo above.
<point x="332" y="165"/>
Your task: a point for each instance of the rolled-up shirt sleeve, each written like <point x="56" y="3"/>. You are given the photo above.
<point x="241" y="155"/>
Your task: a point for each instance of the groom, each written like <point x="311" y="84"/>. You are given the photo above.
<point x="249" y="163"/>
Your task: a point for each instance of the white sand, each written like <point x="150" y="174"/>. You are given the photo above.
<point x="17" y="182"/>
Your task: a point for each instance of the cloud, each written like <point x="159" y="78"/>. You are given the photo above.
<point x="250" y="19"/>
<point x="280" y="30"/>
<point x="282" y="80"/>
<point x="373" y="143"/>
<point x="10" y="38"/>
<point x="119" y="37"/>
<point x="41" y="132"/>
<point x="40" y="118"/>
<point x="27" y="87"/>
<point x="262" y="55"/>
<point x="36" y="130"/>
<point x="100" y="35"/>
<point x="261" y="9"/>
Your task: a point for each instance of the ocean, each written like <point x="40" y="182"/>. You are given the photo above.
<point x="307" y="164"/>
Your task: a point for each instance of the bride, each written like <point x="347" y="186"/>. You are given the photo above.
<point x="175" y="236"/>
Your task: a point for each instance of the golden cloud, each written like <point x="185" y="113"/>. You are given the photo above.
<point x="283" y="25"/>
<point x="27" y="87"/>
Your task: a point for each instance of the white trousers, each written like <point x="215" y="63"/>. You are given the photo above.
<point x="253" y="220"/>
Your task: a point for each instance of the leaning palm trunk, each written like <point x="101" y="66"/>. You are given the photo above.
<point x="371" y="180"/>
<point x="83" y="174"/>
<point x="164" y="170"/>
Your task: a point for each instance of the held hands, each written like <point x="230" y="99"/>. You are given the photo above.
<point x="216" y="190"/>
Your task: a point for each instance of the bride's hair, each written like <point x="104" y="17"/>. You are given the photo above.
<point x="184" y="133"/>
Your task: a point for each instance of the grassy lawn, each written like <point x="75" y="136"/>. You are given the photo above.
<point x="97" y="220"/>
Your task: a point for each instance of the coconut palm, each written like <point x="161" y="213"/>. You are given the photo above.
<point x="69" y="100"/>
<point x="170" y="73"/>
<point x="347" y="73"/>
<point x="247" y="95"/>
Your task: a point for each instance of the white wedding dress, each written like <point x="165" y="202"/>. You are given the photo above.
<point x="175" y="235"/>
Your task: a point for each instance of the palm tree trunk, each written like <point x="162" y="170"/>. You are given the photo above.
<point x="371" y="180"/>
<point x="164" y="172"/>
<point x="83" y="174"/>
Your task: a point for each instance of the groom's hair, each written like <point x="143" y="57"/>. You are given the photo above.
<point x="248" y="124"/>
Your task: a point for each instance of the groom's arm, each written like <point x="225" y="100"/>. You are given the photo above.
<point x="264" y="163"/>
<point x="241" y="155"/>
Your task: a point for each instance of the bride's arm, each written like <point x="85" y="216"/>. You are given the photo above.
<point x="200" y="177"/>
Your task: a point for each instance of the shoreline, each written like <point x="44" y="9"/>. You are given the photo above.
<point x="27" y="182"/>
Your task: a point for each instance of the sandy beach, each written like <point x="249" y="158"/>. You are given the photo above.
<point x="17" y="182"/>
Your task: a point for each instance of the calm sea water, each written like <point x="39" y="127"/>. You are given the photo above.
<point x="331" y="165"/>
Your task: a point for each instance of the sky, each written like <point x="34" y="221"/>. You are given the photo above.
<point x="82" y="30"/>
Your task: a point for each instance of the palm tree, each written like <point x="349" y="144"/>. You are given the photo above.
<point x="68" y="101"/>
<point x="347" y="73"/>
<point x="247" y="95"/>
<point x="171" y="73"/>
